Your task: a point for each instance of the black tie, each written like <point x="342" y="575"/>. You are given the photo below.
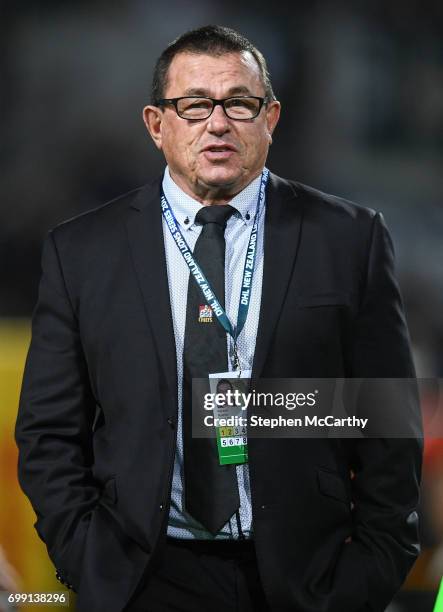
<point x="211" y="490"/>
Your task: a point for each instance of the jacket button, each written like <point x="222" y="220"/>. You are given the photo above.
<point x="171" y="422"/>
<point x="161" y="506"/>
<point x="263" y="506"/>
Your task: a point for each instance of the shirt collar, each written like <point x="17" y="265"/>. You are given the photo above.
<point x="185" y="208"/>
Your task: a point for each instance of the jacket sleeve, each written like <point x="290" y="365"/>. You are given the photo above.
<point x="54" y="423"/>
<point x="386" y="470"/>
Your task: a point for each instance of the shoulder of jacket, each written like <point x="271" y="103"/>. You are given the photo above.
<point x="317" y="201"/>
<point x="101" y="217"/>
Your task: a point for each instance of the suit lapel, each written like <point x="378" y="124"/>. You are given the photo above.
<point x="145" y="233"/>
<point x="282" y="235"/>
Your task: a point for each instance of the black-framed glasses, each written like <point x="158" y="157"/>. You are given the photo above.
<point x="195" y="108"/>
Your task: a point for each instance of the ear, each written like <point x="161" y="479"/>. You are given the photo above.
<point x="272" y="117"/>
<point x="153" y="117"/>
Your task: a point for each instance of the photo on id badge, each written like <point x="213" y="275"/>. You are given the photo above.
<point x="230" y="416"/>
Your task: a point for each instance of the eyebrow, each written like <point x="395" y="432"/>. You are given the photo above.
<point x="232" y="91"/>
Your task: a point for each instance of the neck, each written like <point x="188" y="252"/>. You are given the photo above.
<point x="210" y="195"/>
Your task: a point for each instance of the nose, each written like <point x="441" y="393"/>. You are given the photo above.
<point x="218" y="122"/>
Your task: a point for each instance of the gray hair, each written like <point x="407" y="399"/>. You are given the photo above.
<point x="211" y="40"/>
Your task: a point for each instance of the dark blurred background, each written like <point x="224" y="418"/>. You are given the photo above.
<point x="361" y="86"/>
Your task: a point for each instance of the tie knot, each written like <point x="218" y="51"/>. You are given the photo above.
<point x="216" y="213"/>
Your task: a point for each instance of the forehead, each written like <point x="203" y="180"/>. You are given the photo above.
<point x="214" y="75"/>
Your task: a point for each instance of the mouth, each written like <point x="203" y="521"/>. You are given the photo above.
<point x="219" y="151"/>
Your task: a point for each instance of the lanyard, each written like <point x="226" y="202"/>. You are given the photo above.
<point x="202" y="281"/>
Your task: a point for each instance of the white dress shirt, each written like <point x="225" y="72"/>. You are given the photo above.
<point x="238" y="229"/>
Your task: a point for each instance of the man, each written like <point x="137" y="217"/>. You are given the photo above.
<point x="136" y="513"/>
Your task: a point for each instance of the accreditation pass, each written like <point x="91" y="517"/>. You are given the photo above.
<point x="230" y="416"/>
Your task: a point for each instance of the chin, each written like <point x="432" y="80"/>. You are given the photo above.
<point x="220" y="176"/>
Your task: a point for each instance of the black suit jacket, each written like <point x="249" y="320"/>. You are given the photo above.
<point x="96" y="426"/>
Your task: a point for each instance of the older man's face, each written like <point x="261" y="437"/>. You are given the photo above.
<point x="216" y="157"/>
